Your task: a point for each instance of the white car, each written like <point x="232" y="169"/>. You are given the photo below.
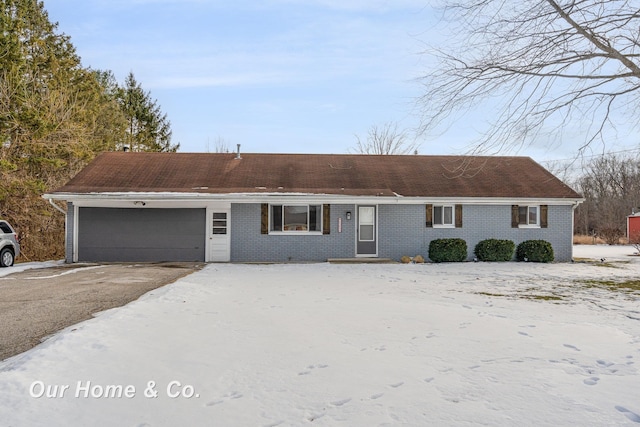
<point x="9" y="246"/>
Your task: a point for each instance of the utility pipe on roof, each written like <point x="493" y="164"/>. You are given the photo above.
<point x="57" y="207"/>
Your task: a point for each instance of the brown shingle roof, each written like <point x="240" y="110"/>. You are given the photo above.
<point x="410" y="176"/>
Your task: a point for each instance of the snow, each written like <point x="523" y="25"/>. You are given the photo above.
<point x="16" y="268"/>
<point x="356" y="345"/>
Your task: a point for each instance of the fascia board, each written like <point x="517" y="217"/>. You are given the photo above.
<point x="301" y="198"/>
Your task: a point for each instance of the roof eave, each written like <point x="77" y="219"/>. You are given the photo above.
<point x="261" y="197"/>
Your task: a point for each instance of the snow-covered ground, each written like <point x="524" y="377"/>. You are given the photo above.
<point x="28" y="266"/>
<point x="517" y="344"/>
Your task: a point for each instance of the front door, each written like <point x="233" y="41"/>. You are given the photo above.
<point x="219" y="234"/>
<point x="367" y="232"/>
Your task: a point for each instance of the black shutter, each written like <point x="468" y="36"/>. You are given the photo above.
<point x="544" y="214"/>
<point x="264" y="218"/>
<point x="326" y="219"/>
<point x="458" y="216"/>
<point x="429" y="215"/>
<point x="515" y="216"/>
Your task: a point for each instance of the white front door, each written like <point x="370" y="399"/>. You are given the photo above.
<point x="219" y="225"/>
<point x="367" y="232"/>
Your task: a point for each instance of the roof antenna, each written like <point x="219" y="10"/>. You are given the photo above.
<point x="238" y="156"/>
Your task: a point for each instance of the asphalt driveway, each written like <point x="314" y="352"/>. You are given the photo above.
<point x="37" y="303"/>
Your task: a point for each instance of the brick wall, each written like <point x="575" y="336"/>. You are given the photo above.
<point x="402" y="231"/>
<point x="248" y="245"/>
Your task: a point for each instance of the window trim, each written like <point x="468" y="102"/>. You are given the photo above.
<point x="320" y="221"/>
<point x="453" y="216"/>
<point x="528" y="225"/>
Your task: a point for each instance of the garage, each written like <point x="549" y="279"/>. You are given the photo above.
<point x="141" y="235"/>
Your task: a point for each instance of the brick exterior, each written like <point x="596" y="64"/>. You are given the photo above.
<point x="401" y="229"/>
<point x="403" y="232"/>
<point x="248" y="245"/>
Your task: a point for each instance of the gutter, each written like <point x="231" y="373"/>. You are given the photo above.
<point x="261" y="197"/>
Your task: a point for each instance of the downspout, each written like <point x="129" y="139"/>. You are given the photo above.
<point x="58" y="208"/>
<point x="573" y="220"/>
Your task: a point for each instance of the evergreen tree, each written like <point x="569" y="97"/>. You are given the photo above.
<point x="148" y="129"/>
<point x="51" y="108"/>
<point x="55" y="116"/>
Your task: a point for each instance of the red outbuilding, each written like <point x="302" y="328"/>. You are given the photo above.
<point x="633" y="228"/>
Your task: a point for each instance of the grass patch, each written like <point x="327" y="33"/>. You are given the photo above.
<point x="599" y="263"/>
<point x="605" y="264"/>
<point x="525" y="296"/>
<point x="626" y="286"/>
<point x="489" y="294"/>
<point x="542" y="297"/>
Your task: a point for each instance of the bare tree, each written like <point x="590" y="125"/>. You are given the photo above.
<point x="542" y="66"/>
<point x="634" y="240"/>
<point x="220" y="145"/>
<point x="611" y="187"/>
<point x="386" y="139"/>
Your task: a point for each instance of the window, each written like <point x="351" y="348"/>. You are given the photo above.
<point x="528" y="216"/>
<point x="367" y="223"/>
<point x="4" y="227"/>
<point x="443" y="216"/>
<point x="219" y="223"/>
<point x="295" y="218"/>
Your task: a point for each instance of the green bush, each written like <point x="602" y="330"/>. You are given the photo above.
<point x="535" y="251"/>
<point x="448" y="250"/>
<point x="495" y="250"/>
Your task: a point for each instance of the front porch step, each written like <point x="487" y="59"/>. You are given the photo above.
<point x="361" y="261"/>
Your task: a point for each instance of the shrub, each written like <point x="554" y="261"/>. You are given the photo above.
<point x="535" y="251"/>
<point x="611" y="235"/>
<point x="405" y="259"/>
<point x="495" y="250"/>
<point x="448" y="250"/>
<point x="418" y="259"/>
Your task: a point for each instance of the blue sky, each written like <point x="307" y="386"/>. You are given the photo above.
<point x="296" y="76"/>
<point x="274" y="76"/>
